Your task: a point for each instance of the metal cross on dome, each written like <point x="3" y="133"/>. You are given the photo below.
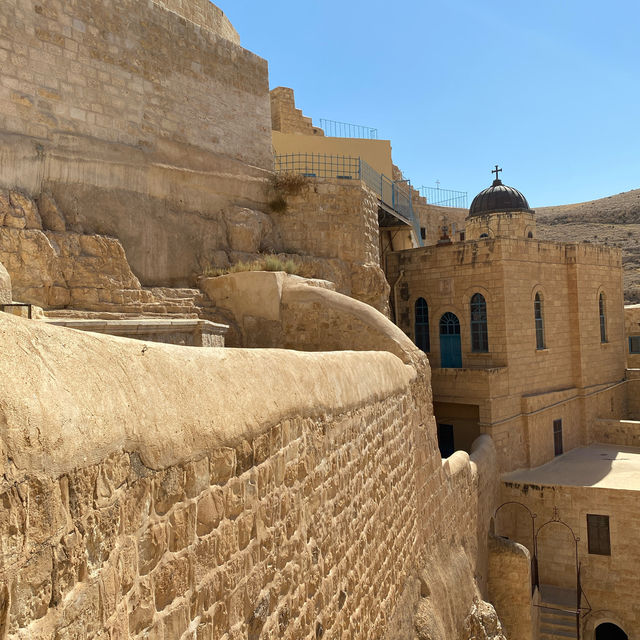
<point x="496" y="171"/>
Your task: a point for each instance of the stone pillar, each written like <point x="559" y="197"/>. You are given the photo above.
<point x="510" y="587"/>
<point x="5" y="285"/>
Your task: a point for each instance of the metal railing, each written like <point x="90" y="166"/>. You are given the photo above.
<point x="444" y="197"/>
<point x="335" y="129"/>
<point x="393" y="194"/>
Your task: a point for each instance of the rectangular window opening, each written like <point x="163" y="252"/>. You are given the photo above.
<point x="445" y="440"/>
<point x="634" y="344"/>
<point x="598" y="534"/>
<point x="557" y="437"/>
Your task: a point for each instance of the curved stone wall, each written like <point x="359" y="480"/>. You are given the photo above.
<point x="204" y="14"/>
<point x="149" y="489"/>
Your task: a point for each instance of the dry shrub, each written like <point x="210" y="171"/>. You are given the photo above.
<point x="270" y="263"/>
<point x="283" y="185"/>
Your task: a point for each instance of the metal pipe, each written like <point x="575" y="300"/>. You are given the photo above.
<point x="395" y="296"/>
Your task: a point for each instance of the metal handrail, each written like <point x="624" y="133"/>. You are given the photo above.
<point x="444" y="197"/>
<point x="335" y="129"/>
<point x="392" y="193"/>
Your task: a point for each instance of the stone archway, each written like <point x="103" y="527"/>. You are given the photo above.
<point x="600" y="624"/>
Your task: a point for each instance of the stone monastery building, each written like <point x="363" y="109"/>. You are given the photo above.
<point x="513" y="327"/>
<point x="427" y="425"/>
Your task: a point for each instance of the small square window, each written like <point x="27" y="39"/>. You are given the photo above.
<point x="598" y="535"/>
<point x="557" y="437"/>
<point x="634" y="344"/>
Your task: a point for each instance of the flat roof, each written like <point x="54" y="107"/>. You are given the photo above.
<point x="605" y="466"/>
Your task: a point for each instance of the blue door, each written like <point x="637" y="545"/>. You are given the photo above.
<point x="450" y="346"/>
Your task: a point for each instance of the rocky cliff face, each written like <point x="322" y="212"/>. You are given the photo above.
<point x="53" y="267"/>
<point x="5" y="285"/>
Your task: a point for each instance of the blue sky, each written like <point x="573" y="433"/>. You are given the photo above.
<point x="550" y="90"/>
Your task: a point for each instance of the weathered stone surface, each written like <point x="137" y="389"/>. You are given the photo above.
<point x="483" y="624"/>
<point x="210" y="511"/>
<point x="151" y="547"/>
<point x="5" y="285"/>
<point x="248" y="231"/>
<point x="52" y="217"/>
<point x="188" y="503"/>
<point x="24" y="208"/>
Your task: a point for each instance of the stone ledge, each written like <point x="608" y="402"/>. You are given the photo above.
<point x="81" y="396"/>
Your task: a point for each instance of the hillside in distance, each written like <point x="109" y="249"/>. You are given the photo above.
<point x="612" y="221"/>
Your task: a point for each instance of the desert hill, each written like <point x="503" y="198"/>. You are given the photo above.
<point x="613" y="221"/>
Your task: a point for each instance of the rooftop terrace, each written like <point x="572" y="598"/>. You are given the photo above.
<point x="599" y="465"/>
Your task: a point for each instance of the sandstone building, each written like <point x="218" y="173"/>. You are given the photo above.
<point x="327" y="478"/>
<point x="513" y="326"/>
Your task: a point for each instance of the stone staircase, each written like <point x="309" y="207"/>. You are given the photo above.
<point x="154" y="302"/>
<point x="557" y="622"/>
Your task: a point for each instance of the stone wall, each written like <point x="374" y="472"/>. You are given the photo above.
<point x="336" y="220"/>
<point x="501" y="225"/>
<point x="297" y="502"/>
<point x="285" y="118"/>
<point x="273" y="309"/>
<point x="5" y="285"/>
<point x="510" y="587"/>
<point x="205" y="14"/>
<point x="142" y="124"/>
<point x="518" y="389"/>
<point x="622" y="432"/>
<point x="632" y="328"/>
<point x="608" y="581"/>
<point x="633" y="395"/>
<point x="132" y="73"/>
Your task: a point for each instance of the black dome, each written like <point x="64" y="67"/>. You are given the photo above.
<point x="498" y="197"/>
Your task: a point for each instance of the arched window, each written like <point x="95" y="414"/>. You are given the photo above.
<point x="421" y="326"/>
<point x="450" y="344"/>
<point x="603" y="318"/>
<point x="530" y="234"/>
<point x="537" y="312"/>
<point x="484" y="235"/>
<point x="479" y="334"/>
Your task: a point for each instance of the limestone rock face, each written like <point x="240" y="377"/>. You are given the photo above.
<point x="52" y="218"/>
<point x="55" y="268"/>
<point x="5" y="285"/>
<point x="248" y="231"/>
<point x="23" y="212"/>
<point x="483" y="624"/>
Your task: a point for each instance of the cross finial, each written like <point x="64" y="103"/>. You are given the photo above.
<point x="497" y="171"/>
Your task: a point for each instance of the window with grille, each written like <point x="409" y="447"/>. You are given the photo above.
<point x="479" y="333"/>
<point x="634" y="344"/>
<point x="421" y="326"/>
<point x="557" y="437"/>
<point x="537" y="310"/>
<point x="603" y="319"/>
<point x="598" y="534"/>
